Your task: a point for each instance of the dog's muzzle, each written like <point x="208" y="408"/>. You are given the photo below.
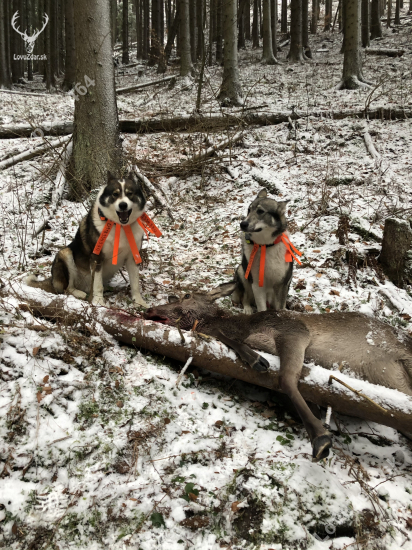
<point x="124" y="216"/>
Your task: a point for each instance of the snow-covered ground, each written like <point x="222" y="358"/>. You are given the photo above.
<point x="98" y="447"/>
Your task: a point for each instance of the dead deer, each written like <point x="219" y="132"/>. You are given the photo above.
<point x="365" y="346"/>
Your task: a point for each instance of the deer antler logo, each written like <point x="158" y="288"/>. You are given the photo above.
<point x="29" y="40"/>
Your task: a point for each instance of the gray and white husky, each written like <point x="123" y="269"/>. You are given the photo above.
<point x="121" y="201"/>
<point x="265" y="223"/>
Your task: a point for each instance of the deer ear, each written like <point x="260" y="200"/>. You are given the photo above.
<point x="262" y="194"/>
<point x="222" y="290"/>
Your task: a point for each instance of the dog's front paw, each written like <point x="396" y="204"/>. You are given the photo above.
<point x="248" y="310"/>
<point x="138" y="301"/>
<point x="98" y="301"/>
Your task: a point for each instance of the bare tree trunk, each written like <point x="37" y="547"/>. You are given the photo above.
<point x="185" y="50"/>
<point x="125" y="33"/>
<point x="376" y="27"/>
<point x="164" y="58"/>
<point x="267" y="56"/>
<point x="139" y="29"/>
<point x="365" y="24"/>
<point x="328" y="15"/>
<point x="70" y="66"/>
<point x="212" y="7"/>
<point x="16" y="47"/>
<point x="219" y="31"/>
<point x="295" y="54"/>
<point x="284" y="17"/>
<point x="146" y="29"/>
<point x="274" y="25"/>
<point x="47" y="47"/>
<point x="255" y="26"/>
<point x="192" y="23"/>
<point x="113" y="22"/>
<point x="5" y="76"/>
<point x="352" y="66"/>
<point x="398" y="12"/>
<point x="96" y="147"/>
<point x="246" y="20"/>
<point x="305" y="29"/>
<point x="53" y="42"/>
<point x="230" y="91"/>
<point x="314" y="19"/>
<point x="200" y="30"/>
<point x="389" y="14"/>
<point x="155" y="33"/>
<point x="241" y="33"/>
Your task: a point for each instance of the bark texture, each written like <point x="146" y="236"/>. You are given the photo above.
<point x="230" y="91"/>
<point x="96" y="134"/>
<point x="376" y="26"/>
<point x="396" y="255"/>
<point x="295" y="54"/>
<point x="352" y="77"/>
<point x="185" y="50"/>
<point x="70" y="60"/>
<point x="215" y="357"/>
<point x="5" y="77"/>
<point x="267" y="56"/>
<point x="365" y="23"/>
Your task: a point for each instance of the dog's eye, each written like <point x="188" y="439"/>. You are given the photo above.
<point x="116" y="194"/>
<point x="129" y="194"/>
<point x="260" y="211"/>
<point x="186" y="296"/>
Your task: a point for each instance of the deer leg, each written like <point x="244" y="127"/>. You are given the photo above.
<point x="291" y="355"/>
<point x="247" y="354"/>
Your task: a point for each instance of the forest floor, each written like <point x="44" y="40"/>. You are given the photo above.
<point x="98" y="447"/>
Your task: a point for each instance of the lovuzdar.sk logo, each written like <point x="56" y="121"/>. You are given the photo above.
<point x="29" y="40"/>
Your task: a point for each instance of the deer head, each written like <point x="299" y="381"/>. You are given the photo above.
<point x="190" y="307"/>
<point x="29" y="40"/>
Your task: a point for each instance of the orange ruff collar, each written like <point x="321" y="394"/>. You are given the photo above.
<point x="289" y="255"/>
<point x="145" y="223"/>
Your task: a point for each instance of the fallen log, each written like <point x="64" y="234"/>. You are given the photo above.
<point x="385" y="51"/>
<point x="214" y="356"/>
<point x="25" y="93"/>
<point x="369" y="144"/>
<point x="136" y="87"/>
<point x="31" y="153"/>
<point x="209" y="122"/>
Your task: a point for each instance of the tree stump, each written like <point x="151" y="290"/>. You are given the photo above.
<point x="396" y="255"/>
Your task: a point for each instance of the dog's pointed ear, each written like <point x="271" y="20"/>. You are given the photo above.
<point x="222" y="290"/>
<point x="282" y="206"/>
<point x="262" y="194"/>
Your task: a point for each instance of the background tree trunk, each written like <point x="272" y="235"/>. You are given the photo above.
<point x="192" y="20"/>
<point x="246" y="19"/>
<point x="146" y="29"/>
<point x="125" y="33"/>
<point x="241" y="32"/>
<point x="200" y="30"/>
<point x="155" y="37"/>
<point x="113" y="13"/>
<point x="139" y="29"/>
<point x="305" y="29"/>
<point x="376" y="27"/>
<point x="398" y="12"/>
<point x="5" y="76"/>
<point x="230" y="91"/>
<point x="352" y="66"/>
<point x="267" y="56"/>
<point x="185" y="51"/>
<point x="389" y="14"/>
<point x="255" y="25"/>
<point x="70" y="65"/>
<point x="328" y="15"/>
<point x="96" y="147"/>
<point x="212" y="8"/>
<point x="284" y="17"/>
<point x="219" y="31"/>
<point x="16" y="46"/>
<point x="274" y="25"/>
<point x="365" y="23"/>
<point x="296" y="49"/>
<point x="314" y="18"/>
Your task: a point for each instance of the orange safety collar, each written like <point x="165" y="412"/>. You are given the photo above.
<point x="146" y="223"/>
<point x="289" y="255"/>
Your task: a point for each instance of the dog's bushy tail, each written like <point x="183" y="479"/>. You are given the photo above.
<point x="46" y="284"/>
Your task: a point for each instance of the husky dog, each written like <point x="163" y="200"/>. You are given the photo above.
<point x="121" y="201"/>
<point x="265" y="222"/>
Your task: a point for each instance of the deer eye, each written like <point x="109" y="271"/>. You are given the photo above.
<point x="186" y="296"/>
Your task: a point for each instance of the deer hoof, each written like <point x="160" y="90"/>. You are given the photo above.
<point x="321" y="446"/>
<point x="261" y="365"/>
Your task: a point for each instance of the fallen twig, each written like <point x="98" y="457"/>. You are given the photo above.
<point x="152" y="191"/>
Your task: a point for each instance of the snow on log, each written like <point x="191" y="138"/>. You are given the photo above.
<point x="214" y="356"/>
<point x="35" y="152"/>
<point x="208" y="122"/>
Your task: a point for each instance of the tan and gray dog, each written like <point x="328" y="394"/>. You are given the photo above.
<point x="263" y="278"/>
<point x="121" y="201"/>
